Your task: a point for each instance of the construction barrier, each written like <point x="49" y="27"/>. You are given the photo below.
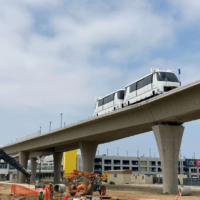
<point x="23" y="191"/>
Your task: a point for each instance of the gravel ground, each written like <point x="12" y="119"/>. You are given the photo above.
<point x="122" y="192"/>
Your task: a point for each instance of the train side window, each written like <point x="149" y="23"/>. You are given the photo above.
<point x="140" y="84"/>
<point x="111" y="97"/>
<point x="149" y="79"/>
<point x="133" y="87"/>
<point x="100" y="103"/>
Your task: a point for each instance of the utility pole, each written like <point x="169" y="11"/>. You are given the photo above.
<point x="61" y="119"/>
<point x="50" y="126"/>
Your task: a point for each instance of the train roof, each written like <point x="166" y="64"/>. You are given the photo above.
<point x="110" y="94"/>
<point x="150" y="74"/>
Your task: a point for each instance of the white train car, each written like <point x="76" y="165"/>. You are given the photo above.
<point x="109" y="103"/>
<point x="156" y="83"/>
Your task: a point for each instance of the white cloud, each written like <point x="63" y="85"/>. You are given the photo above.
<point x="38" y="70"/>
<point x="188" y="11"/>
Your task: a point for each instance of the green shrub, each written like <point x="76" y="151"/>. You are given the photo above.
<point x="112" y="183"/>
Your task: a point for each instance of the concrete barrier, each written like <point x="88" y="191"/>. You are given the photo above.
<point x="59" y="188"/>
<point x="185" y="191"/>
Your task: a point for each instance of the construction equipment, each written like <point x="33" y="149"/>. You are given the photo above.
<point x="15" y="164"/>
<point x="105" y="177"/>
<point x="88" y="182"/>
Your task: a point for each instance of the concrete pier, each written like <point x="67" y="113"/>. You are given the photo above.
<point x="169" y="139"/>
<point x="33" y="169"/>
<point x="23" y="160"/>
<point x="88" y="151"/>
<point x="57" y="166"/>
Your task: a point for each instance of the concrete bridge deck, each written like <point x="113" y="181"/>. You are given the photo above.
<point x="163" y="114"/>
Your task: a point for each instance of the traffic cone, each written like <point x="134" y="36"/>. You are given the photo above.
<point x="177" y="196"/>
<point x="101" y="194"/>
<point x="66" y="197"/>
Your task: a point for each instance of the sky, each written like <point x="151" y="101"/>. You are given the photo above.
<point x="58" y="56"/>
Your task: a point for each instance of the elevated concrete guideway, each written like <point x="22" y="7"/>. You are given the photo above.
<point x="179" y="105"/>
<point x="163" y="114"/>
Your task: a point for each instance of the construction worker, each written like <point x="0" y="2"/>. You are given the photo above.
<point x="97" y="182"/>
<point x="51" y="190"/>
<point x="41" y="195"/>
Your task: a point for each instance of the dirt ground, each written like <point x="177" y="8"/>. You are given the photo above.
<point x="125" y="192"/>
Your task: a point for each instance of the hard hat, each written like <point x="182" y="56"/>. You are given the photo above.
<point x="41" y="190"/>
<point x="49" y="183"/>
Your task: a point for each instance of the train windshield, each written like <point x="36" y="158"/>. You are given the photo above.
<point x="120" y="94"/>
<point x="167" y="76"/>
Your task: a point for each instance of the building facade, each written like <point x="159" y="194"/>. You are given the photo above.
<point x="72" y="161"/>
<point x="141" y="165"/>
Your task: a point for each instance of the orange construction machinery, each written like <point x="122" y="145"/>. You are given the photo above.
<point x="86" y="182"/>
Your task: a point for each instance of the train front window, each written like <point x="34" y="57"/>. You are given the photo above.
<point x="120" y="94"/>
<point x="167" y="76"/>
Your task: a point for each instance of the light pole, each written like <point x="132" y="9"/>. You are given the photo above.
<point x="40" y="129"/>
<point x="49" y="126"/>
<point x="117" y="150"/>
<point x="138" y="165"/>
<point x="40" y="168"/>
<point x="61" y="119"/>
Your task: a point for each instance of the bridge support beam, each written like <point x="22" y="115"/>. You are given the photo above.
<point x="88" y="151"/>
<point x="169" y="139"/>
<point x="33" y="169"/>
<point x="57" y="166"/>
<point x="23" y="160"/>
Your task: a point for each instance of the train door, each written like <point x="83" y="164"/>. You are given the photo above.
<point x="128" y="96"/>
<point x="115" y="100"/>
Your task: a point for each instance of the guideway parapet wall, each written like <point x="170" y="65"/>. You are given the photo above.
<point x="169" y="139"/>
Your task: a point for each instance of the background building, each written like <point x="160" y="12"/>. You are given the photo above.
<point x="72" y="161"/>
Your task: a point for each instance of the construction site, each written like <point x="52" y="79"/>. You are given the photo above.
<point x="121" y="192"/>
<point x="115" y="185"/>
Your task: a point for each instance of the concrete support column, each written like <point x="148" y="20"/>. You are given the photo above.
<point x="88" y="151"/>
<point x="23" y="160"/>
<point x="169" y="139"/>
<point x="57" y="166"/>
<point x="33" y="169"/>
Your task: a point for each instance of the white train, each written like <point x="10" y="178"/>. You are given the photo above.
<point x="153" y="84"/>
